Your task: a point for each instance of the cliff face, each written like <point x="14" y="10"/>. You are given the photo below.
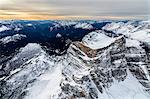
<point x="95" y="69"/>
<point x="103" y="65"/>
<point x="90" y="73"/>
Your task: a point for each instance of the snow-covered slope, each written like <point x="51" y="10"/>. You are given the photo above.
<point x="13" y="38"/>
<point x="4" y="28"/>
<point x="119" y="27"/>
<point x="142" y="35"/>
<point x="130" y="88"/>
<point x="97" y="40"/>
<point x="34" y="70"/>
<point x="128" y="27"/>
<point x="84" y="26"/>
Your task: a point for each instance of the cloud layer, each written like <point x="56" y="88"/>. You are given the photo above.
<point x="76" y="7"/>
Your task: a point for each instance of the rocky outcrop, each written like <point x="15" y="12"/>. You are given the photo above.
<point x="92" y="71"/>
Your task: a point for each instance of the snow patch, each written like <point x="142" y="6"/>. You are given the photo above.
<point x="130" y="88"/>
<point x="58" y="35"/>
<point x="132" y="43"/>
<point x="4" y="28"/>
<point x="143" y="35"/>
<point x="97" y="40"/>
<point x="47" y="85"/>
<point x="29" y="24"/>
<point x="83" y="26"/>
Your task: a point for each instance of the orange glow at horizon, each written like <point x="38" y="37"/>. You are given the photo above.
<point x="47" y="17"/>
<point x="30" y="17"/>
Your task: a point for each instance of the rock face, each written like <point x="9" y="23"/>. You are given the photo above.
<point x="103" y="65"/>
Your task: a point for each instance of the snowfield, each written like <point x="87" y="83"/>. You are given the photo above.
<point x="97" y="40"/>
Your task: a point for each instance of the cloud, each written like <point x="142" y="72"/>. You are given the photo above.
<point x="76" y="7"/>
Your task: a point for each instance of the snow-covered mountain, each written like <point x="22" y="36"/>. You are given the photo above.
<point x="108" y="63"/>
<point x="13" y="38"/>
<point x="84" y="26"/>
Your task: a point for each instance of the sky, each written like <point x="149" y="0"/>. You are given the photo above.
<point x="66" y="9"/>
